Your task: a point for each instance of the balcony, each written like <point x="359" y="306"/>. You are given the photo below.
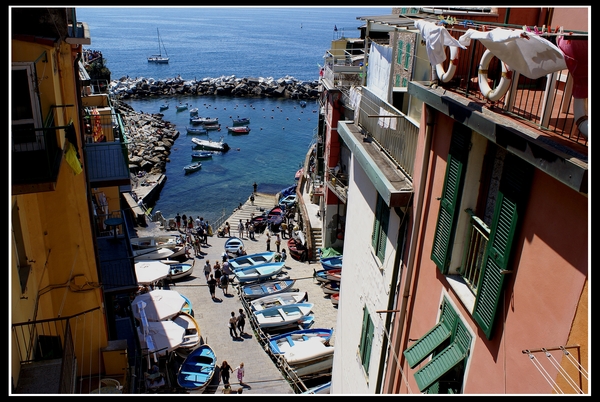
<point x="36" y="156"/>
<point x="338" y="184"/>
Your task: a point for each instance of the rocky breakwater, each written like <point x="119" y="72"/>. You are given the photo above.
<point x="150" y="139"/>
<point x="287" y="87"/>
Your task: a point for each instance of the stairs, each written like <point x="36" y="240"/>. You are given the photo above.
<point x="317" y="237"/>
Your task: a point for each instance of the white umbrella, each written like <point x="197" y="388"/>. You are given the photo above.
<point x="162" y="337"/>
<point x="149" y="272"/>
<point x="160" y="304"/>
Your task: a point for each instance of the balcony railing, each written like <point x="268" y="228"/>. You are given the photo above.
<point x="338" y="184"/>
<point x="390" y="128"/>
<point x="476" y="244"/>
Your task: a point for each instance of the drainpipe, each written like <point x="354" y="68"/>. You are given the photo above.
<point x="415" y="234"/>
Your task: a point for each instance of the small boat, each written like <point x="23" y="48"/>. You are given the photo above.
<point x="287" y="201"/>
<point x="155" y="241"/>
<point x="211" y="145"/>
<point x="319" y="389"/>
<point x="180" y="270"/>
<point x="321" y="276"/>
<point x="331" y="287"/>
<point x="198" y="368"/>
<point x="252" y="259"/>
<point x="257" y="290"/>
<point x="282" y="316"/>
<point x="192" y="167"/>
<point x="302" y="103"/>
<point x="202" y="155"/>
<point x="258" y="272"/>
<point x="238" y="130"/>
<point x="193" y="112"/>
<point x="334" y="275"/>
<point x="192" y="336"/>
<point x="164" y="106"/>
<point x="335" y="299"/>
<point x="242" y="121"/>
<point x="153" y="253"/>
<point x="278" y="299"/>
<point x="312" y="356"/>
<point x="196" y="131"/>
<point x="212" y="127"/>
<point x="159" y="58"/>
<point x="298" y="251"/>
<point x="233" y="245"/>
<point x="334" y="262"/>
<point x="204" y="120"/>
<point x="279" y="344"/>
<point x="181" y="107"/>
<point x="187" y="306"/>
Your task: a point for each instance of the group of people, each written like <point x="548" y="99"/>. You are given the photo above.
<point x="218" y="276"/>
<point x="237" y="324"/>
<point x="226" y="371"/>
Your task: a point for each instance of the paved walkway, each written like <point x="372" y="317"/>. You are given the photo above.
<point x="262" y="374"/>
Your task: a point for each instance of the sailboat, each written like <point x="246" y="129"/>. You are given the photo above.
<point x="159" y="58"/>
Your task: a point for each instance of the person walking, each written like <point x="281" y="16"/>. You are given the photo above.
<point x="241" y="321"/>
<point x="251" y="231"/>
<point x="232" y="326"/>
<point x="241" y="229"/>
<point x="247" y="227"/>
<point x="225" y="284"/>
<point x="178" y="220"/>
<point x="240" y="372"/>
<point x="252" y="198"/>
<point x="283" y="228"/>
<point x="212" y="286"/>
<point x="226" y="370"/>
<point x="218" y="274"/>
<point x="207" y="269"/>
<point x="278" y="242"/>
<point x="255" y="186"/>
<point x="190" y="224"/>
<point x="268" y="241"/>
<point x="283" y="255"/>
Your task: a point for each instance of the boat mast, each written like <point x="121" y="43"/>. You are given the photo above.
<point x="158" y="34"/>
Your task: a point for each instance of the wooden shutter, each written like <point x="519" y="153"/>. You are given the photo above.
<point x="407" y="56"/>
<point x="383" y="228"/>
<point x="400" y="50"/>
<point x="514" y="190"/>
<point x="450" y="199"/>
<point x="366" y="339"/>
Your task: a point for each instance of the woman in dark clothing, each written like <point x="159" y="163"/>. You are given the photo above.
<point x="225" y="371"/>
<point x="241" y="321"/>
<point x="212" y="286"/>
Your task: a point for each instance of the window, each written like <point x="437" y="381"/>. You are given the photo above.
<point x="380" y="227"/>
<point x="25" y="109"/>
<point x="407" y="56"/>
<point x="487" y="234"/>
<point x="448" y="342"/>
<point x="366" y="339"/>
<point x="400" y="52"/>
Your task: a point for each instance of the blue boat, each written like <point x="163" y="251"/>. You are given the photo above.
<point x="258" y="272"/>
<point x="334" y="262"/>
<point x="202" y="155"/>
<point x="319" y="389"/>
<point x="279" y="344"/>
<point x="242" y="121"/>
<point x="187" y="307"/>
<point x="198" y="369"/>
<point x="252" y="259"/>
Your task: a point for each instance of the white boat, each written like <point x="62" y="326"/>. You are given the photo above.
<point x="196" y="131"/>
<point x="193" y="111"/>
<point x="204" y="120"/>
<point x="258" y="272"/>
<point x="159" y="58"/>
<point x="233" y="245"/>
<point x="310" y="357"/>
<point x="192" y="336"/>
<point x="257" y="290"/>
<point x="280" y="344"/>
<point x="153" y="253"/>
<point x="155" y="241"/>
<point x="181" y="107"/>
<point x="179" y="270"/>
<point x="278" y="299"/>
<point x="211" y="145"/>
<point x="252" y="259"/>
<point x="281" y="316"/>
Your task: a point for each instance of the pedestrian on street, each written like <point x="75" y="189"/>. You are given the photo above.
<point x="283" y="228"/>
<point x="278" y="241"/>
<point x="240" y="372"/>
<point x="225" y="371"/>
<point x="178" y="220"/>
<point x="247" y="227"/>
<point x="225" y="283"/>
<point x="232" y="326"/>
<point x="255" y="186"/>
<point x="212" y="286"/>
<point x="268" y="241"/>
<point x="252" y="199"/>
<point x="218" y="274"/>
<point x="241" y="229"/>
<point x="241" y="321"/>
<point x="226" y="267"/>
<point x="207" y="269"/>
<point x="251" y="231"/>
<point x="283" y="255"/>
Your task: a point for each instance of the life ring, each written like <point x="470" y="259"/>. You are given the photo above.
<point x="445" y="76"/>
<point x="580" y="114"/>
<point x="489" y="93"/>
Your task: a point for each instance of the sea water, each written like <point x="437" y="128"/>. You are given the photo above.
<point x="212" y="42"/>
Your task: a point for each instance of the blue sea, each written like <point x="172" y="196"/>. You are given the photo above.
<point x="212" y="42"/>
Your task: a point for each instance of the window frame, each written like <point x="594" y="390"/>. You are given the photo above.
<point x="366" y="339"/>
<point x="35" y="120"/>
<point x="380" y="228"/>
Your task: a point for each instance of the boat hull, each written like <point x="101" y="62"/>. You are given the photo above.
<point x="259" y="272"/>
<point x="283" y="316"/>
<point x="279" y="299"/>
<point x="198" y="369"/>
<point x="332" y="262"/>
<point x="282" y="343"/>
<point x="255" y="291"/>
<point x="251" y="259"/>
<point x="180" y="271"/>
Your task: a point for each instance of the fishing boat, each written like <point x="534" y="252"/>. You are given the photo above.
<point x="204" y="120"/>
<point x="181" y="107"/>
<point x="258" y="272"/>
<point x="187" y="306"/>
<point x="280" y="344"/>
<point x="331" y="287"/>
<point x="202" y="155"/>
<point x="198" y="369"/>
<point x="252" y="259"/>
<point x="238" y="130"/>
<point x="333" y="275"/>
<point x="303" y="104"/>
<point x="279" y="299"/>
<point x="262" y="289"/>
<point x="233" y="245"/>
<point x="334" y="262"/>
<point x="310" y="357"/>
<point x="192" y="336"/>
<point x="138" y="243"/>
<point x="196" y="131"/>
<point x="242" y="121"/>
<point x="319" y="389"/>
<point x="335" y="299"/>
<point x="180" y="270"/>
<point x="321" y="276"/>
<point x="192" y="167"/>
<point x="211" y="145"/>
<point x="193" y="112"/>
<point x="212" y="127"/>
<point x="164" y="106"/>
<point x="159" y="58"/>
<point x="153" y="253"/>
<point x="283" y="316"/>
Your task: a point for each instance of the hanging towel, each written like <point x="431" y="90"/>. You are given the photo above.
<point x="71" y="157"/>
<point x="526" y="53"/>
<point x="436" y="37"/>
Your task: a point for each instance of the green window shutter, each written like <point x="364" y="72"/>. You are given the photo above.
<point x="457" y="351"/>
<point x="366" y="339"/>
<point x="376" y="224"/>
<point x="514" y="186"/>
<point x="450" y="199"/>
<point x="404" y="82"/>
<point x="400" y="50"/>
<point x="407" y="56"/>
<point x="385" y="218"/>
